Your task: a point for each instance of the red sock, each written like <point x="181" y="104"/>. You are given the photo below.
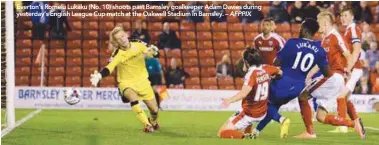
<point x="351" y="110"/>
<point x="341" y="107"/>
<point x="231" y="134"/>
<point x="338" y="121"/>
<point x="306" y="113"/>
<point x="248" y="129"/>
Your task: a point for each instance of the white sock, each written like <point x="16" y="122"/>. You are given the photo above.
<point x="255" y="131"/>
<point x="281" y="119"/>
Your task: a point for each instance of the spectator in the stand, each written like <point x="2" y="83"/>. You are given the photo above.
<point x="323" y="5"/>
<point x="377" y="14"/>
<point x="224" y="68"/>
<point x="172" y="18"/>
<point x="168" y="38"/>
<point x="372" y="55"/>
<point x="218" y="11"/>
<point x="175" y="75"/>
<point x="256" y="14"/>
<point x="297" y="12"/>
<point x="140" y="33"/>
<point x="362" y="13"/>
<point x="374" y="79"/>
<point x="57" y="29"/>
<point x="363" y="87"/>
<point x="367" y="36"/>
<point x="311" y="11"/>
<point x="195" y="18"/>
<point x="278" y="12"/>
<point x="39" y="19"/>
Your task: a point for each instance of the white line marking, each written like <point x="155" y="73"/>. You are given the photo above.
<point x="372" y="128"/>
<point x="18" y="123"/>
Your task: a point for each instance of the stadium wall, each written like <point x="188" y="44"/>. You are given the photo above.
<point x="183" y="100"/>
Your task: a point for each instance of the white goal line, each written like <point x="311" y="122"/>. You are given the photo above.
<point x="18" y="123"/>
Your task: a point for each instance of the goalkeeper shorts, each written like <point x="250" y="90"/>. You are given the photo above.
<point x="143" y="89"/>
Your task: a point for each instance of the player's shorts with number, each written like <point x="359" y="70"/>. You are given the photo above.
<point x="326" y="90"/>
<point x="142" y="88"/>
<point x="241" y="120"/>
<point x="356" y="74"/>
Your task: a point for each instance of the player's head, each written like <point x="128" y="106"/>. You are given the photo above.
<point x="266" y="26"/>
<point x="166" y="26"/>
<point x="347" y="16"/>
<point x="325" y="20"/>
<point x="138" y="25"/>
<point x="252" y="57"/>
<point x="309" y="28"/>
<point x="118" y="38"/>
<point x="273" y="25"/>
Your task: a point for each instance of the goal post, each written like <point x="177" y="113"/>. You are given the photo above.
<point x="10" y="59"/>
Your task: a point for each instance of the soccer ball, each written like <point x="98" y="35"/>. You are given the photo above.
<point x="72" y="96"/>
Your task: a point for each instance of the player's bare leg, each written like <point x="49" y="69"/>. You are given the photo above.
<point x="306" y="113"/>
<point x="153" y="108"/>
<point x="136" y="108"/>
<point x="229" y="131"/>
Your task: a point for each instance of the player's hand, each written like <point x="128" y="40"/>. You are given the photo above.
<point x="225" y="103"/>
<point x="95" y="78"/>
<point x="153" y="50"/>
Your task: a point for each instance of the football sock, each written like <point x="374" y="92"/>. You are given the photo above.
<point x="231" y="134"/>
<point x="248" y="129"/>
<point x="158" y="99"/>
<point x="341" y="107"/>
<point x="337" y="121"/>
<point x="306" y="113"/>
<point x="281" y="120"/>
<point x="141" y="115"/>
<point x="262" y="124"/>
<point x="154" y="117"/>
<point x="351" y="110"/>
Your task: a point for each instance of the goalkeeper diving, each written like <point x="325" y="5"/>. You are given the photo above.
<point x="132" y="76"/>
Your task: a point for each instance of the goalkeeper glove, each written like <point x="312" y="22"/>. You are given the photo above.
<point x="95" y="78"/>
<point x="152" y="50"/>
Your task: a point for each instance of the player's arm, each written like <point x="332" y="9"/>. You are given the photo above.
<point x="357" y="45"/>
<point x="239" y="96"/>
<point x="282" y="53"/>
<point x="349" y="60"/>
<point x="311" y="73"/>
<point x="106" y="71"/>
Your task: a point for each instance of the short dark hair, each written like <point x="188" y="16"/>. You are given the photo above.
<point x="347" y="8"/>
<point x="252" y="56"/>
<point x="310" y="25"/>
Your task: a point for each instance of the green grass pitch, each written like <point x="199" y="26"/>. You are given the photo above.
<point x="77" y="127"/>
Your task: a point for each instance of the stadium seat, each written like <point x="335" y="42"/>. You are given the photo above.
<point x="295" y="28"/>
<point x="74" y="44"/>
<point x="221" y="45"/>
<point x="87" y="71"/>
<point x="285" y="27"/>
<point x="90" y="34"/>
<point x="36" y="44"/>
<point x="26" y="34"/>
<point x="209" y="81"/>
<point x="227" y="87"/>
<point x="122" y="19"/>
<point x="91" y="18"/>
<point x="104" y="34"/>
<point x="219" y="27"/>
<point x="22" y="71"/>
<point x="189" y="53"/>
<point x="235" y="27"/>
<point x="174" y="26"/>
<point x="76" y="25"/>
<point x="205" y="26"/>
<point x="208" y="71"/>
<point x="56" y="71"/>
<point x="74" y="52"/>
<point x="187" y="35"/>
<point x="106" y="26"/>
<point x="193" y="87"/>
<point x="203" y="45"/>
<point x="73" y="70"/>
<point x="210" y="87"/>
<point x="262" y="3"/>
<point x="162" y="61"/>
<point x="236" y="54"/>
<point x="225" y="81"/>
<point x="177" y="53"/>
<point x="126" y="25"/>
<point x="162" y="53"/>
<point x="220" y="36"/>
<point x="89" y="44"/>
<point x="188" y="62"/>
<point x="72" y="35"/>
<point x="192" y="71"/>
<point x="22" y="80"/>
<point x="221" y="53"/>
<point x="24" y="43"/>
<point x="91" y="61"/>
<point x="286" y="35"/>
<point x="74" y="81"/>
<point x="57" y="44"/>
<point x="375" y="28"/>
<point x="206" y="53"/>
<point x="192" y="80"/>
<point x="265" y="10"/>
<point x="203" y="36"/>
<point x="155" y="26"/>
<point x="207" y="62"/>
<point x="232" y="19"/>
<point x="26" y="24"/>
<point x="186" y="26"/>
<point x="74" y="61"/>
<point x="237" y="45"/>
<point x="36" y="71"/>
<point x="107" y="18"/>
<point x="57" y="61"/>
<point x="105" y="52"/>
<point x="36" y="81"/>
<point x="23" y="52"/>
<point x="108" y="82"/>
<point x="188" y="44"/>
<point x="57" y="52"/>
<point x="250" y="35"/>
<point x="56" y="81"/>
<point x="93" y="52"/>
<point x="251" y="27"/>
<point x="86" y="82"/>
<point x="236" y="36"/>
<point x="90" y="25"/>
<point x="154" y="35"/>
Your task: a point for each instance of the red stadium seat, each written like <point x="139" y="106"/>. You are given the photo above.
<point x="56" y="81"/>
<point x="74" y="52"/>
<point x="204" y="45"/>
<point x="24" y="43"/>
<point x="375" y="28"/>
<point x="188" y="62"/>
<point x="208" y="71"/>
<point x="265" y="10"/>
<point x="236" y="54"/>
<point x="206" y="53"/>
<point x="162" y="61"/>
<point x="237" y="45"/>
<point x="235" y="27"/>
<point x="188" y="44"/>
<point x="227" y="87"/>
<point x="74" y="61"/>
<point x="205" y="26"/>
<point x="23" y="52"/>
<point x="210" y="87"/>
<point x="177" y="53"/>
<point x="207" y="62"/>
<point x="90" y="25"/>
<point x="91" y="62"/>
<point x="90" y="34"/>
<point x="106" y="26"/>
<point x="193" y="87"/>
<point x="219" y="27"/>
<point x="36" y="81"/>
<point x="22" y="71"/>
<point x="204" y="36"/>
<point x="26" y="24"/>
<point x="221" y="53"/>
<point x="76" y="25"/>
<point x="57" y="52"/>
<point x="56" y="71"/>
<point x="187" y="35"/>
<point x="221" y="45"/>
<point x="154" y="35"/>
<point x="250" y="35"/>
<point x="87" y="71"/>
<point x="126" y="25"/>
<point x="74" y="81"/>
<point x="174" y="26"/>
<point x="57" y="44"/>
<point x="74" y="44"/>
<point x="105" y="52"/>
<point x="209" y="81"/>
<point x="285" y="27"/>
<point x="225" y="81"/>
<point x="87" y="44"/>
<point x="192" y="81"/>
<point x="73" y="71"/>
<point x="295" y="28"/>
<point x="122" y="19"/>
<point x="220" y="36"/>
<point x="93" y="52"/>
<point x="22" y="80"/>
<point x="162" y="53"/>
<point x="57" y="61"/>
<point x="185" y="26"/>
<point x="36" y="71"/>
<point x="286" y="35"/>
<point x="36" y="44"/>
<point x="26" y="34"/>
<point x="72" y="35"/>
<point x="193" y="71"/>
<point x="236" y="36"/>
<point x="232" y="19"/>
<point x="189" y="53"/>
<point x="108" y="82"/>
<point x="86" y="82"/>
<point x="251" y="27"/>
<point x="155" y="26"/>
